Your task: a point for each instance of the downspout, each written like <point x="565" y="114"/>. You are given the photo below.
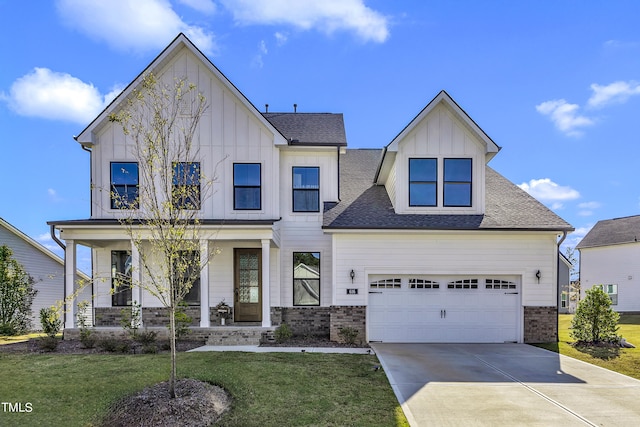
<point x="564" y="236"/>
<point x="52" y="231"/>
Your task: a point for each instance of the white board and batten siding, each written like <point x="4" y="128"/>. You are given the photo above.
<point x="615" y="265"/>
<point x="228" y="132"/>
<point x="513" y="257"/>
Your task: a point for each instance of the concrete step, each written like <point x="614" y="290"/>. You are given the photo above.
<point x="233" y="335"/>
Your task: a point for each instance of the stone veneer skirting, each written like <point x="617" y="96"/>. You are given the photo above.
<point x="540" y="324"/>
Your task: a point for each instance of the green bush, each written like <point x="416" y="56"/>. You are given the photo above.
<point x="108" y="344"/>
<point x="150" y="349"/>
<point x="146" y="337"/>
<point x="183" y="320"/>
<point x="348" y="334"/>
<point x="87" y="338"/>
<point x="50" y="320"/>
<point x="48" y="343"/>
<point x="16" y="295"/>
<point x="283" y="333"/>
<point x="595" y="321"/>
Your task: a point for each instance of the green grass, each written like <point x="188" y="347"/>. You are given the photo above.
<point x="623" y="360"/>
<point x="270" y="389"/>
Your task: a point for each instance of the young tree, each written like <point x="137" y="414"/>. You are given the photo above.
<point x="163" y="217"/>
<point x="16" y="294"/>
<point x="595" y="320"/>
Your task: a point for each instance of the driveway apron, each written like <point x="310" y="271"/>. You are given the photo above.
<point x="505" y="385"/>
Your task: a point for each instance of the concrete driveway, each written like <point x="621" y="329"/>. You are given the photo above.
<point x="505" y="385"/>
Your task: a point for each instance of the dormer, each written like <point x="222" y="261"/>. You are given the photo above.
<point x="436" y="165"/>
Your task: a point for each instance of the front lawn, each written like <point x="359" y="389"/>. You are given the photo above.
<point x="269" y="389"/>
<point x="623" y="360"/>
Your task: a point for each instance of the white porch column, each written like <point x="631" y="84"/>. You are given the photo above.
<point x="204" y="284"/>
<point x="136" y="290"/>
<point x="266" y="288"/>
<point x="70" y="283"/>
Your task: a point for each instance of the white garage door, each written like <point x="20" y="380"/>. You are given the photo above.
<point x="443" y="309"/>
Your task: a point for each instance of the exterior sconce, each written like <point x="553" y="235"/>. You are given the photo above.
<point x="538" y="275"/>
<point x="352" y="274"/>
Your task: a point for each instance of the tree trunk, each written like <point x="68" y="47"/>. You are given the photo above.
<point x="172" y="342"/>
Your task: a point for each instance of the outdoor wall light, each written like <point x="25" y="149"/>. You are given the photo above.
<point x="538" y="275"/>
<point x="352" y="274"/>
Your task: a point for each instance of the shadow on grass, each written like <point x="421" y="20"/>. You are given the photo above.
<point x="599" y="351"/>
<point x="629" y="319"/>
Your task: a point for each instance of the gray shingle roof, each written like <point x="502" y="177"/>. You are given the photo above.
<point x="310" y="128"/>
<point x="612" y="232"/>
<point x="367" y="206"/>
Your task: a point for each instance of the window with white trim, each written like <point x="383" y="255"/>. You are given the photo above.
<point x="463" y="284"/>
<point x="499" y="284"/>
<point x="386" y="284"/>
<point x="423" y="284"/>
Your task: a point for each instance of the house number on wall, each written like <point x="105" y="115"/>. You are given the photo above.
<point x="352" y="291"/>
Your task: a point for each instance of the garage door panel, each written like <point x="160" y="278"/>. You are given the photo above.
<point x="452" y="310"/>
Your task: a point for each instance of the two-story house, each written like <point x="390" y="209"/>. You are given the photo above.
<point x="419" y="241"/>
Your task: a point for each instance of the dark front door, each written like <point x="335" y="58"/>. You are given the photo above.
<point x="248" y="285"/>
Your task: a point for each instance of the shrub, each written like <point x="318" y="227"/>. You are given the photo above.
<point x="283" y="333"/>
<point x="86" y="334"/>
<point x="130" y="319"/>
<point x="108" y="344"/>
<point x="150" y="349"/>
<point x="50" y="320"/>
<point x="595" y="321"/>
<point x="348" y="334"/>
<point x="146" y="337"/>
<point x="48" y="343"/>
<point x="16" y="294"/>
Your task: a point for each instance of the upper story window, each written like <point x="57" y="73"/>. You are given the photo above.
<point x="124" y="185"/>
<point x="186" y="185"/>
<point x="247" y="186"/>
<point x="423" y="182"/>
<point x="457" y="182"/>
<point x="306" y="189"/>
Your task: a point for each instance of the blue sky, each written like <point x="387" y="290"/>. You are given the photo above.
<point x="556" y="84"/>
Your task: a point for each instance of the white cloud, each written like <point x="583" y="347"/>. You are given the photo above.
<point x="613" y="93"/>
<point x="132" y="25"/>
<point x="326" y="15"/>
<point x="548" y="191"/>
<point x="57" y="96"/>
<point x="281" y="38"/>
<point x="564" y="116"/>
<point x="262" y="51"/>
<point x="205" y="6"/>
<point x="589" y="205"/>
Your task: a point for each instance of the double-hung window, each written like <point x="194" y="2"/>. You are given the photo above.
<point x="306" y="278"/>
<point x="457" y="182"/>
<point x="186" y="185"/>
<point x="120" y="278"/>
<point x="423" y="182"/>
<point x="306" y="189"/>
<point x="247" y="186"/>
<point x="124" y="185"/>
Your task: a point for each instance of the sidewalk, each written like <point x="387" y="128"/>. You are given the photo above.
<point x="258" y="349"/>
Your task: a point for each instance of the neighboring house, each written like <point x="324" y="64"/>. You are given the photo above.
<point x="419" y="241"/>
<point x="45" y="267"/>
<point x="567" y="301"/>
<point x="610" y="257"/>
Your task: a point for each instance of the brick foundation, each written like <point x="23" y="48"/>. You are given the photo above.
<point x="155" y="316"/>
<point x="303" y="321"/>
<point x="348" y="316"/>
<point x="109" y="316"/>
<point x="540" y="324"/>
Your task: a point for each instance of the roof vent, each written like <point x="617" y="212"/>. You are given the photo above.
<point x="266" y="108"/>
<point x="295" y="108"/>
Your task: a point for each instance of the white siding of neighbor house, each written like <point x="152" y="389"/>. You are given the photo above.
<point x="47" y="273"/>
<point x="228" y="133"/>
<point x="618" y="264"/>
<point x="441" y="253"/>
<point x="440" y="135"/>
